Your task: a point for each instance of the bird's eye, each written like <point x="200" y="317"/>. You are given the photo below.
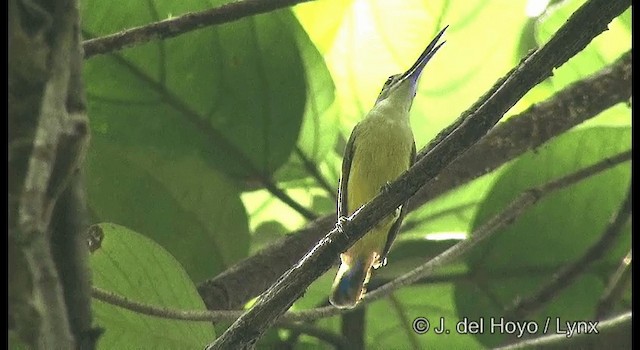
<point x="385" y="89"/>
<point x="389" y="80"/>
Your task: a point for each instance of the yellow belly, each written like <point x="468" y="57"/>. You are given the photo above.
<point x="382" y="152"/>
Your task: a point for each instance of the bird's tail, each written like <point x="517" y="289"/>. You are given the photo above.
<point x="350" y="283"/>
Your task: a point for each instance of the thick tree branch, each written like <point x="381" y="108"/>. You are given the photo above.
<point x="235" y="286"/>
<point x="69" y="248"/>
<point x="571" y="106"/>
<point x="585" y="24"/>
<point x="43" y="72"/>
<point x="172" y="27"/>
<point x="70" y="217"/>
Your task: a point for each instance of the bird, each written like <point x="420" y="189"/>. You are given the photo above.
<point x="381" y="147"/>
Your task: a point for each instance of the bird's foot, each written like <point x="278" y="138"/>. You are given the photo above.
<point x="342" y="220"/>
<point x="386" y="187"/>
<point x="380" y="263"/>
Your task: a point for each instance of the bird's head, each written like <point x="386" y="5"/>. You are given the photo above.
<point x="402" y="87"/>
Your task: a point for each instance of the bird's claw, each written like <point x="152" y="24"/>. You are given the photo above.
<point x="380" y="263"/>
<point x="386" y="187"/>
<point x="341" y="221"/>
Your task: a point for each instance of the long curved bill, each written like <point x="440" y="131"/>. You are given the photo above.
<point x="416" y="69"/>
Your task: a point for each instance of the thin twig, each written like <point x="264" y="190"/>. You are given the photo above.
<point x="207" y="316"/>
<point x="456" y="209"/>
<point x="172" y="27"/>
<point x="279" y="193"/>
<point x="615" y="288"/>
<point x="162" y="312"/>
<point x="614" y="333"/>
<point x="122" y="301"/>
<point x="290" y="317"/>
<point x="311" y="167"/>
<point x="118" y="300"/>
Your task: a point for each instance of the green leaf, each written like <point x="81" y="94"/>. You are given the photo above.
<point x="129" y="264"/>
<point x="266" y="233"/>
<point x="433" y="302"/>
<point x="184" y="205"/>
<point x="234" y="94"/>
<point x="319" y="127"/>
<point x="554" y="232"/>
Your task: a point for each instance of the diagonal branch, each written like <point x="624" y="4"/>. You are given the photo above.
<point x="172" y="27"/>
<point x="574" y="104"/>
<point x="584" y="25"/>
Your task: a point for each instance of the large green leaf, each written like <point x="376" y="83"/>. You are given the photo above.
<point x="319" y="126"/>
<point x="234" y="94"/>
<point x="184" y="205"/>
<point x="129" y="264"/>
<point x="433" y="302"/>
<point x="556" y="231"/>
<point x="315" y="145"/>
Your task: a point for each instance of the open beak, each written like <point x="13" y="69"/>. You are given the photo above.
<point x="414" y="72"/>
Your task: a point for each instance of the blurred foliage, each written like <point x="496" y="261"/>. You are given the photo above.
<point x="185" y="132"/>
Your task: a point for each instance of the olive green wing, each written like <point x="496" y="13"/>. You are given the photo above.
<point x="393" y="231"/>
<point x="347" y="159"/>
